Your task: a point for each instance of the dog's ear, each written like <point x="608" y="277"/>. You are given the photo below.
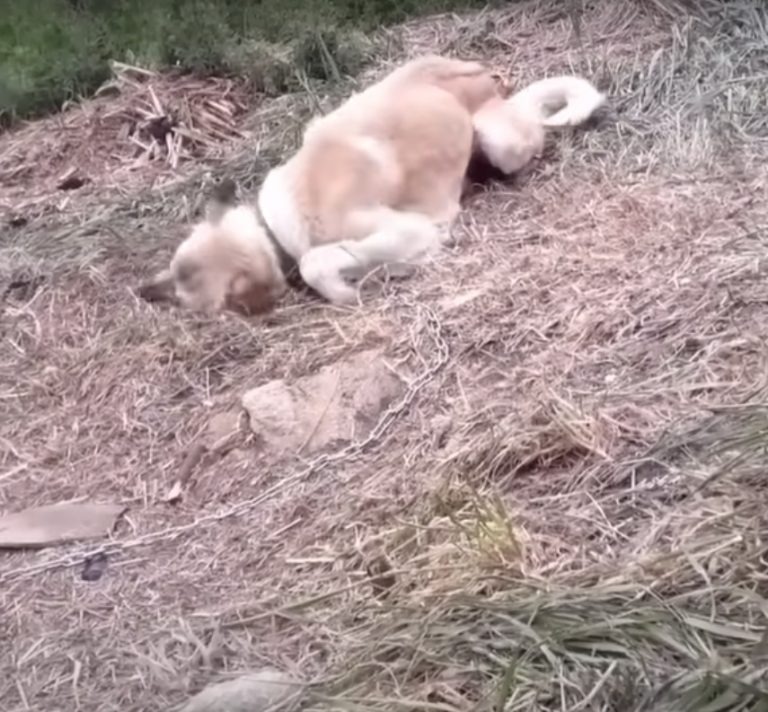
<point x="160" y="288"/>
<point x="222" y="195"/>
<point x="249" y="295"/>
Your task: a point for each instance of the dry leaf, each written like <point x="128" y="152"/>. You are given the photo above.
<point x="57" y="523"/>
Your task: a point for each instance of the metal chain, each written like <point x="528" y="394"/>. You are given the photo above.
<point x="433" y="328"/>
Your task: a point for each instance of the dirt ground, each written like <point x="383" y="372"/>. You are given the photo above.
<point x="581" y="407"/>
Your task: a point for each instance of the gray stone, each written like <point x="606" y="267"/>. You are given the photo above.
<point x="337" y="404"/>
<point x="258" y="691"/>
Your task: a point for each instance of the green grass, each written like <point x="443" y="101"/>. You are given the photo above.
<point x="674" y="622"/>
<point x="54" y="50"/>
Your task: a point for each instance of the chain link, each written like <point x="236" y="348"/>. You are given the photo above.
<point x="433" y="329"/>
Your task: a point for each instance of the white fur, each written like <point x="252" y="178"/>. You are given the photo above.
<point x="510" y="139"/>
<point x="511" y="132"/>
<point x="393" y="237"/>
<point x="241" y="237"/>
<point x="324" y="268"/>
<point x="396" y="238"/>
<point x="238" y="228"/>
<point x="241" y="226"/>
<point x="280" y="212"/>
<point x="579" y="97"/>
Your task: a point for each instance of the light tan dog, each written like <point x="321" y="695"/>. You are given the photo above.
<point x="375" y="182"/>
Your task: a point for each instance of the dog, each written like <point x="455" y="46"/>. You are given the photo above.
<point x="377" y="181"/>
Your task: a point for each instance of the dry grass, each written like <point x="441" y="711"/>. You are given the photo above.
<point x="573" y="498"/>
<point x="139" y="127"/>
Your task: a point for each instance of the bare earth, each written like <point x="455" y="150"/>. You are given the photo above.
<point x="575" y="436"/>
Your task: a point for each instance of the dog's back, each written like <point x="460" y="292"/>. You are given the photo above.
<point x="470" y="83"/>
<point x="405" y="147"/>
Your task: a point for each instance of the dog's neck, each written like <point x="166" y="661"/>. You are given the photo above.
<point x="284" y="224"/>
<point x="285" y="262"/>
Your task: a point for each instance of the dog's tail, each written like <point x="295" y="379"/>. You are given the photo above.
<point x="558" y="101"/>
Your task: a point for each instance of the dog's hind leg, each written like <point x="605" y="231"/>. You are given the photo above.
<point x="391" y="238"/>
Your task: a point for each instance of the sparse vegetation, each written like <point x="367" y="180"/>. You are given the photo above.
<point x="53" y="50"/>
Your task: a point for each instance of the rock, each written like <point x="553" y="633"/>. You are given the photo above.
<point x="71" y="180"/>
<point x="273" y="415"/>
<point x="222" y="428"/>
<point x="258" y="691"/>
<point x="337" y="404"/>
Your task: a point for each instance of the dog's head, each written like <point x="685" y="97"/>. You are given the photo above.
<point x="223" y="264"/>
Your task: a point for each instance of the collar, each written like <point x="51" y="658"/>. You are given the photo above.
<point x="287" y="264"/>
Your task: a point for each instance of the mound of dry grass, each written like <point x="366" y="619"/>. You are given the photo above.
<point x="567" y="509"/>
<point x="645" y="596"/>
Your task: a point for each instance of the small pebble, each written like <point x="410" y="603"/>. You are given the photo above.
<point x="94" y="567"/>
